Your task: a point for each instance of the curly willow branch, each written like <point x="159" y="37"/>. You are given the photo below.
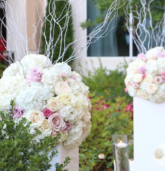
<point x="17" y="39"/>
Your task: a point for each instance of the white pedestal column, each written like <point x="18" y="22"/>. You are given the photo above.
<point x="62" y="154"/>
<point x="149" y="133"/>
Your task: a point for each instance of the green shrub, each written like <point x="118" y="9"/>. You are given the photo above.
<point x="108" y="118"/>
<point x="59" y="15"/>
<point x="2" y="68"/>
<point x="101" y="80"/>
<point x="18" y="149"/>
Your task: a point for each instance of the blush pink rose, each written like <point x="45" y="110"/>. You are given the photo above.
<point x="18" y="112"/>
<point x="54" y="134"/>
<point x="67" y="127"/>
<point x="47" y="112"/>
<point x="142" y="70"/>
<point x="142" y="57"/>
<point x="126" y="90"/>
<point x="135" y="85"/>
<point x="73" y="77"/>
<point x="35" y="75"/>
<point x="56" y="122"/>
<point x="158" y="79"/>
<point x="63" y="75"/>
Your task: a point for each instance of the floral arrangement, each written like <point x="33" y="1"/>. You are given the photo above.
<point x="146" y="76"/>
<point x="51" y="97"/>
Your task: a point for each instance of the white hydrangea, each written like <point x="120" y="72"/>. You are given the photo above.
<point x="34" y="97"/>
<point x="61" y="68"/>
<point x="77" y="87"/>
<point x="74" y="138"/>
<point x="152" y="67"/>
<point x="33" y="60"/>
<point x="69" y="114"/>
<point x="50" y="78"/>
<point x="10" y="88"/>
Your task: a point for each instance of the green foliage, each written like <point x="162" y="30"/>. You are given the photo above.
<point x="2" y="68"/>
<point x="107" y="83"/>
<point x="60" y="167"/>
<point x="156" y="7"/>
<point x="60" y="8"/>
<point x="108" y="118"/>
<point x="19" y="151"/>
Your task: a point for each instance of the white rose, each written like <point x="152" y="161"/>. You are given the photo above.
<point x="129" y="78"/>
<point x="62" y="87"/>
<point x="151" y="88"/>
<point x="36" y="117"/>
<point x="152" y="54"/>
<point x="67" y="99"/>
<point x="137" y="78"/>
<point x="148" y="79"/>
<point x="54" y="104"/>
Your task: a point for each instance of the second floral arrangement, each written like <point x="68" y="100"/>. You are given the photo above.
<point x="146" y="76"/>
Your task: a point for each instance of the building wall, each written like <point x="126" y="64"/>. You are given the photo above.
<point x="79" y="15"/>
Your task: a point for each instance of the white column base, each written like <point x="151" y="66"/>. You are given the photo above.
<point x="62" y="154"/>
<point x="149" y="133"/>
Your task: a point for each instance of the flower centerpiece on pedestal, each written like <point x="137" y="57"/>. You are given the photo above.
<point x="52" y="97"/>
<point x="146" y="76"/>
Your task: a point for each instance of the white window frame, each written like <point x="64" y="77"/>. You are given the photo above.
<point x="112" y="57"/>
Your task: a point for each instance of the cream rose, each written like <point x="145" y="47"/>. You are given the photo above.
<point x="54" y="104"/>
<point x="62" y="87"/>
<point x="45" y="127"/>
<point x="36" y="117"/>
<point x="56" y="122"/>
<point x="137" y="78"/>
<point x="148" y="79"/>
<point x="68" y="99"/>
<point x="151" y="88"/>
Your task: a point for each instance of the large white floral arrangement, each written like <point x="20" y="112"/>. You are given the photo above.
<point x="52" y="97"/>
<point x="146" y="76"/>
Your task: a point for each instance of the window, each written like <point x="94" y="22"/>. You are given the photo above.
<point x="116" y="43"/>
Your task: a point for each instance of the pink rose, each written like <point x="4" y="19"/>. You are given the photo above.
<point x="143" y="76"/>
<point x="135" y="85"/>
<point x="126" y="90"/>
<point x="158" y="79"/>
<point x="35" y="75"/>
<point x="68" y="127"/>
<point x="142" y="57"/>
<point x="161" y="72"/>
<point x="161" y="55"/>
<point x="56" y="122"/>
<point x="142" y="70"/>
<point x="73" y="77"/>
<point x="63" y="74"/>
<point x="54" y="134"/>
<point x="47" y="112"/>
<point x="18" y="112"/>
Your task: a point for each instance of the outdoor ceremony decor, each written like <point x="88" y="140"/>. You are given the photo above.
<point x="52" y="97"/>
<point x="120" y="153"/>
